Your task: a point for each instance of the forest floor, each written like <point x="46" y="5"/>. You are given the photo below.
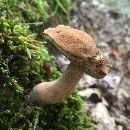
<point x="107" y="100"/>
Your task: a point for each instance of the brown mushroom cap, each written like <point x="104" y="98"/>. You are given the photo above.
<point x="72" y="41"/>
<point x="80" y="48"/>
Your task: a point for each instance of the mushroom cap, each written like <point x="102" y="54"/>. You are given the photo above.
<point x="80" y="48"/>
<point x="72" y="42"/>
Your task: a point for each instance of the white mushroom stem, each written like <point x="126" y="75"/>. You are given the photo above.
<point x="58" y="90"/>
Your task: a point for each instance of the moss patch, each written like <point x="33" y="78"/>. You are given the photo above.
<point x="23" y="62"/>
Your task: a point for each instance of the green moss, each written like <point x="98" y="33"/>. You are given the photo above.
<point x="21" y="67"/>
<point x="38" y="14"/>
<point x="30" y="11"/>
<point x="24" y="62"/>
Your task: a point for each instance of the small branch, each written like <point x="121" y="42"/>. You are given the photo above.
<point x="35" y="23"/>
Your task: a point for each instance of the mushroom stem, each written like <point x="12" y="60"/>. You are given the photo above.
<point x="58" y="90"/>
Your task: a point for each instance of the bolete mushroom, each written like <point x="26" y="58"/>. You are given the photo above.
<point x="79" y="47"/>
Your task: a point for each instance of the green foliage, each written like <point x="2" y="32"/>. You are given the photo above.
<point x="70" y="115"/>
<point x="30" y="11"/>
<point x="19" y="72"/>
<point x="37" y="13"/>
<point x="62" y="9"/>
<point x="22" y="66"/>
<point x="25" y="62"/>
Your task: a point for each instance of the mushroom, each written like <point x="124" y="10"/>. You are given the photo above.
<point x="79" y="47"/>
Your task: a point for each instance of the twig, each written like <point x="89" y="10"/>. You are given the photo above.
<point x="35" y="23"/>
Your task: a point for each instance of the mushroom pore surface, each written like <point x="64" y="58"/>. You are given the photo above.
<point x="80" y="48"/>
